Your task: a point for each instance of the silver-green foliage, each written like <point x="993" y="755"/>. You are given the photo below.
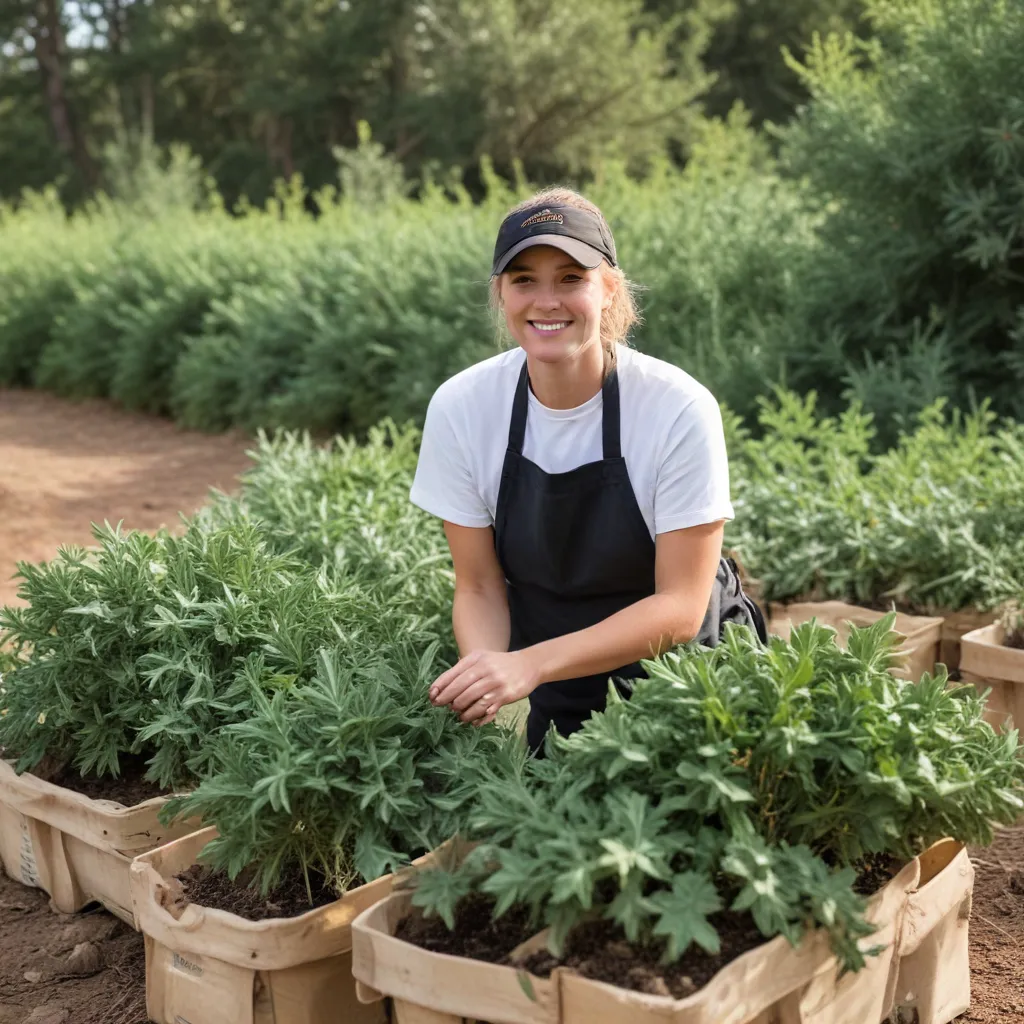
<point x="348" y="774"/>
<point x="935" y="522"/>
<point x="151" y="643"/>
<point x="744" y="778"/>
<point x="346" y="505"/>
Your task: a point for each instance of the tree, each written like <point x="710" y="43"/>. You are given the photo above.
<point x="915" y="153"/>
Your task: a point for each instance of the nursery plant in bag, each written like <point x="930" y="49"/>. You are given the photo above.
<point x="740" y="794"/>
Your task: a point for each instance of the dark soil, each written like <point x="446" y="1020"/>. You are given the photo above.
<point x="476" y="935"/>
<point x="214" y="889"/>
<point x="86" y="968"/>
<point x="876" y="874"/>
<point x="599" y="950"/>
<point x="1015" y="640"/>
<point x="129" y="788"/>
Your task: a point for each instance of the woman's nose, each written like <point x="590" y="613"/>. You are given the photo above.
<point x="547" y="299"/>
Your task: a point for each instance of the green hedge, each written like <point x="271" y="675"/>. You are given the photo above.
<point x="277" y="318"/>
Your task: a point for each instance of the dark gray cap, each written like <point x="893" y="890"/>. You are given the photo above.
<point x="579" y="233"/>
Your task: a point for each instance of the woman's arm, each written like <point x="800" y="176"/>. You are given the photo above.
<point x="480" y="616"/>
<point x="685" y="566"/>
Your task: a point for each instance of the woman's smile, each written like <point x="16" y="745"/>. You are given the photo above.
<point x="549" y="327"/>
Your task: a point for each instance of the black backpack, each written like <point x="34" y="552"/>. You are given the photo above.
<point x="729" y="603"/>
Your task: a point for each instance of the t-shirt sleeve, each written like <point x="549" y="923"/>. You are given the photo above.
<point x="444" y="485"/>
<point x="693" y="477"/>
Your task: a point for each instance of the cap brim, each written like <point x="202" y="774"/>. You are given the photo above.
<point x="585" y="255"/>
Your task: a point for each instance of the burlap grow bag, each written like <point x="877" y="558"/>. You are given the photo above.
<point x="985" y="662"/>
<point x="918" y="653"/>
<point x="206" y="966"/>
<point x="771" y="984"/>
<point x="934" y="976"/>
<point x="955" y="626"/>
<point x="75" y="849"/>
<point x="434" y="988"/>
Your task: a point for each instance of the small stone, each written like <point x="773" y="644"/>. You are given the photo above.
<point x="658" y="987"/>
<point x="619" y="950"/>
<point x="85" y="959"/>
<point x="33" y="977"/>
<point x="91" y="928"/>
<point x="52" y="1014"/>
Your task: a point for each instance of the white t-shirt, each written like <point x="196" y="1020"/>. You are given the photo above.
<point x="671" y="438"/>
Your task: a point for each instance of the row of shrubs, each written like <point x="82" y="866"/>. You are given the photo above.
<point x="275" y="658"/>
<point x="878" y="257"/>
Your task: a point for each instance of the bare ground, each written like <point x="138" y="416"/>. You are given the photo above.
<point x="64" y="465"/>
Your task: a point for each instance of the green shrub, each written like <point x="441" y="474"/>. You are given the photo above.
<point x="276" y="319"/>
<point x="913" y="146"/>
<point x="348" y="774"/>
<point x="758" y="780"/>
<point x="936" y="522"/>
<point x="149" y="645"/>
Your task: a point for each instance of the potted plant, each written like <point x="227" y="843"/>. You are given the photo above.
<point x="715" y="849"/>
<point x="993" y="659"/>
<point x="918" y="652"/>
<point x="125" y="663"/>
<point x="929" y="527"/>
<point x="326" y="789"/>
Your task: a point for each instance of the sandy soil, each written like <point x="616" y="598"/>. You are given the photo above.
<point x="64" y="465"/>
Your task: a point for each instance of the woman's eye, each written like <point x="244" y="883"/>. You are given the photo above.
<point x="520" y="279"/>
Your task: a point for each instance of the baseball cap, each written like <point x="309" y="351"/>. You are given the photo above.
<point x="579" y="233"/>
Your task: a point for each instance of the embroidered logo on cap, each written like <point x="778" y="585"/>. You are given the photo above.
<point x="543" y="217"/>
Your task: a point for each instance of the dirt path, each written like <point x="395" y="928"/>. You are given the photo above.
<point x="64" y="465"/>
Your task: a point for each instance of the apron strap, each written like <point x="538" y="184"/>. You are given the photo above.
<point x="517" y="425"/>
<point x="609" y="418"/>
<point x="610" y="415"/>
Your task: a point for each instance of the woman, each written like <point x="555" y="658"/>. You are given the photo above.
<point x="584" y="487"/>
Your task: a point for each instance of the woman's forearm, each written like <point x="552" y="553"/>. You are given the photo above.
<point x="480" y="619"/>
<point x="642" y="630"/>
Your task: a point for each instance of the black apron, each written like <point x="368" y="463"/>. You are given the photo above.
<point x="575" y="549"/>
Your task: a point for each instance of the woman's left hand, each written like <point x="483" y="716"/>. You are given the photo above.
<point x="483" y="682"/>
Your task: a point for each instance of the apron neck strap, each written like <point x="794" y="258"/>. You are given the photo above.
<point x="609" y="414"/>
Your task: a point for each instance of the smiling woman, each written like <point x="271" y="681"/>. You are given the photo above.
<point x="584" y="487"/>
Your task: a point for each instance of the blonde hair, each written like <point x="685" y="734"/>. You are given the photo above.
<point x="623" y="313"/>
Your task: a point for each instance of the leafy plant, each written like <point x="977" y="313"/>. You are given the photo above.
<point x="152" y="643"/>
<point x="935" y="522"/>
<point x="738" y="777"/>
<point x="348" y="774"/>
<point x="346" y="505"/>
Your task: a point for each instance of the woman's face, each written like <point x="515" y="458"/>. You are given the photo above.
<point x="552" y="305"/>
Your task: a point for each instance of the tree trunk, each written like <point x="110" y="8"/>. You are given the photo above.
<point x="49" y="46"/>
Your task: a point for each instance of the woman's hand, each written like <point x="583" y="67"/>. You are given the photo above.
<point x="483" y="682"/>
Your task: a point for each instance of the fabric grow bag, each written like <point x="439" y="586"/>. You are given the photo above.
<point x="207" y="966"/>
<point x="985" y="662"/>
<point x="766" y="985"/>
<point x="76" y="849"/>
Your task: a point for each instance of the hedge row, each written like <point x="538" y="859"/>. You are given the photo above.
<point x="279" y="319"/>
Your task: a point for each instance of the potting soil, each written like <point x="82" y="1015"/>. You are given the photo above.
<point x="876" y="874"/>
<point x="129" y="788"/>
<point x="476" y="936"/>
<point x="598" y="950"/>
<point x="207" y="888"/>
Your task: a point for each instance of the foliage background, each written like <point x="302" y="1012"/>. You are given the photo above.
<point x="869" y="245"/>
